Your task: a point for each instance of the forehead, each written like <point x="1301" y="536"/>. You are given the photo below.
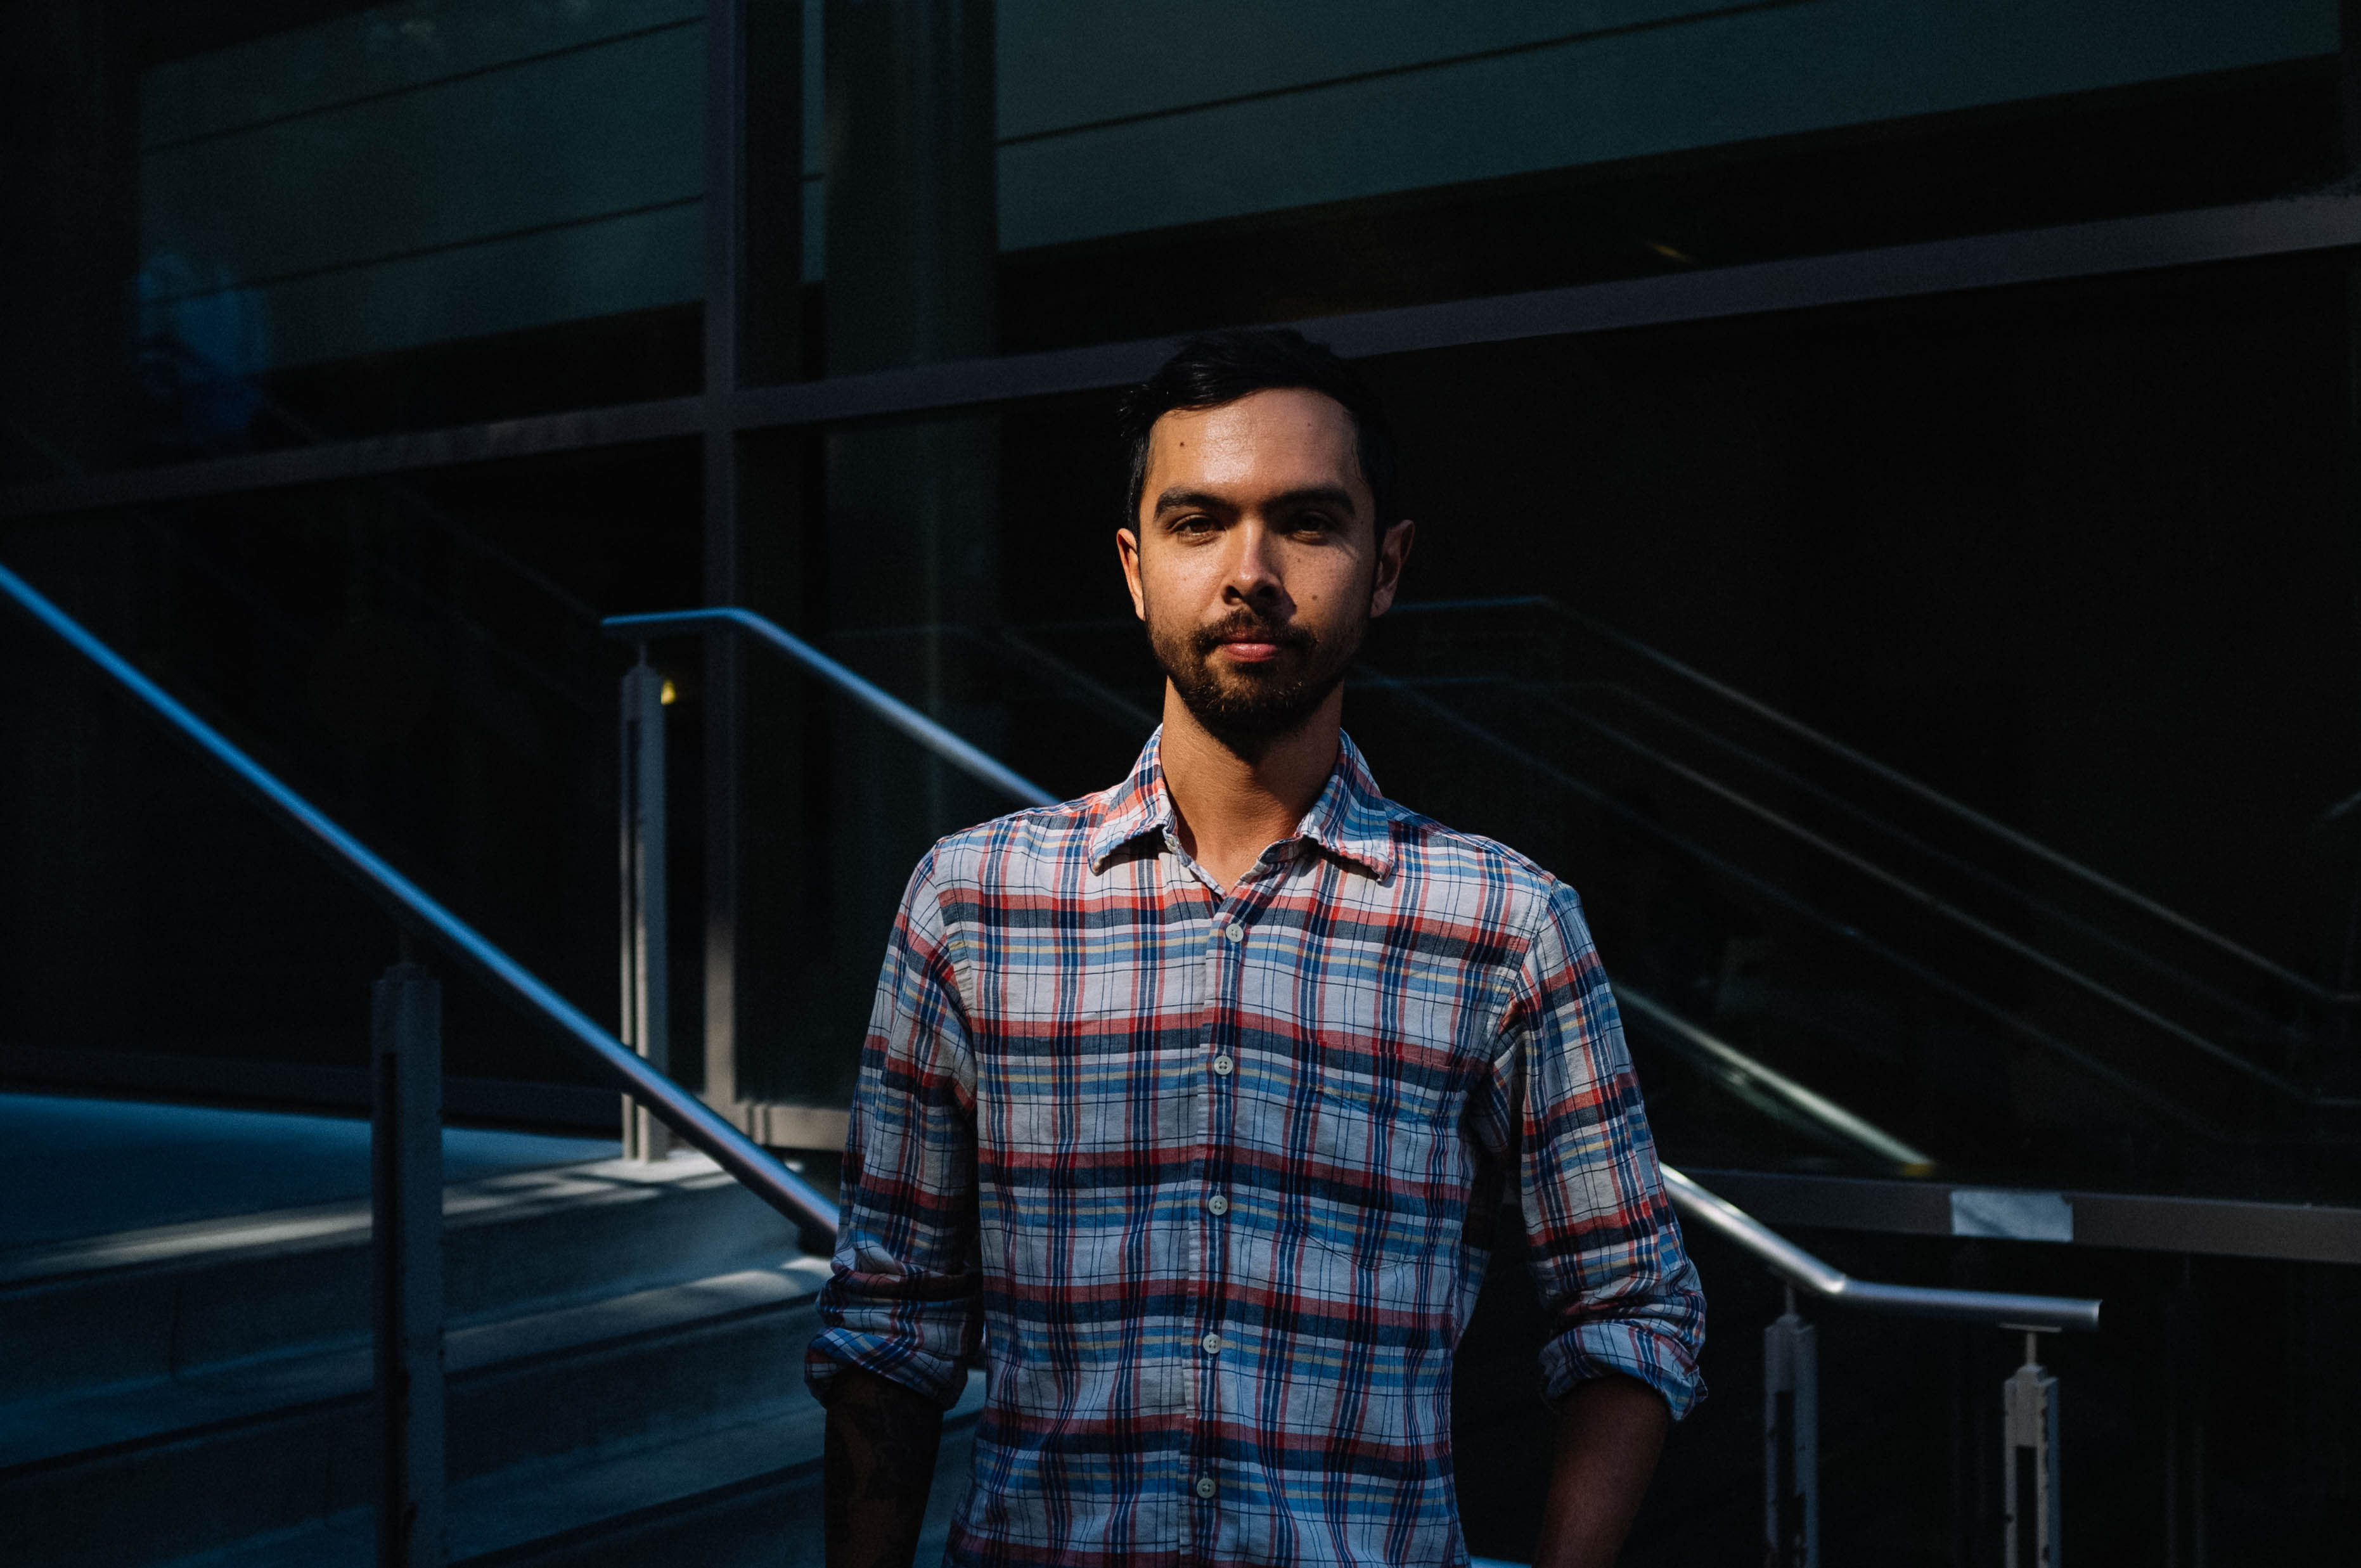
<point x="1280" y="439"/>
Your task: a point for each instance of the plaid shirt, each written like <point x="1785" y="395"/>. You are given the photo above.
<point x="1192" y="1171"/>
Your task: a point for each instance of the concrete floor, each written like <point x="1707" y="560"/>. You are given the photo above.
<point x="71" y="1168"/>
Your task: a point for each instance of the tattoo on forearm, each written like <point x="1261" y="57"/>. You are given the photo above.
<point x="879" y="1464"/>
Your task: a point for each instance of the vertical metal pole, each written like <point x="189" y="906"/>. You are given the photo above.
<point x="2184" y="1433"/>
<point x="406" y="1236"/>
<point x="1791" y="1428"/>
<point x="754" y="545"/>
<point x="725" y="293"/>
<point x="2029" y="1468"/>
<point x="913" y="266"/>
<point x="646" y="1008"/>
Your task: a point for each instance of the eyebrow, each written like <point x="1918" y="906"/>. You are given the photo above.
<point x="1180" y="498"/>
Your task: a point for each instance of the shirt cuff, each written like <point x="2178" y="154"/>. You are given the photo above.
<point x="1661" y="1359"/>
<point x="940" y="1378"/>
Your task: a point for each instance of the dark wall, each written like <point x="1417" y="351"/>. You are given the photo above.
<point x="2079" y="557"/>
<point x="422" y="660"/>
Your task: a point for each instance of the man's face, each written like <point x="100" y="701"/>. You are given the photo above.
<point x="1256" y="561"/>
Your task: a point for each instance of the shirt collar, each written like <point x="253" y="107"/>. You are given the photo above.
<point x="1349" y="819"/>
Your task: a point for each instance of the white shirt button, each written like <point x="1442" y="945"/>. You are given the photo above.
<point x="1206" y="1487"/>
<point x="1213" y="1344"/>
<point x="1223" y="1065"/>
<point x="1235" y="932"/>
<point x="1217" y="1204"/>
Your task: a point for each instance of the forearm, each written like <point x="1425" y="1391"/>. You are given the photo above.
<point x="1609" y="1431"/>
<point x="880" y="1463"/>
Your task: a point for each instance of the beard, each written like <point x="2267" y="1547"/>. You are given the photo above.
<point x="1248" y="706"/>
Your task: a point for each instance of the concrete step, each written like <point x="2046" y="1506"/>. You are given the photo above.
<point x="172" y="1303"/>
<point x="240" y="1410"/>
<point x="283" y="1444"/>
<point x="717" y="1495"/>
<point x="78" y="1167"/>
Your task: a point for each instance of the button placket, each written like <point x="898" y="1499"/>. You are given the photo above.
<point x="1224" y="989"/>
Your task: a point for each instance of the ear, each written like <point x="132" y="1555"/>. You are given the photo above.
<point x="1126" y="549"/>
<point x="1392" y="550"/>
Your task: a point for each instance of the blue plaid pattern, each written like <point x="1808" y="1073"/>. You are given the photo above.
<point x="1190" y="1173"/>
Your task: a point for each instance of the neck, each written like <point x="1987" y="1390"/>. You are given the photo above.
<point x="1234" y="804"/>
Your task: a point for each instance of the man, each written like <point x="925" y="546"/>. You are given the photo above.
<point x="1178" y="1100"/>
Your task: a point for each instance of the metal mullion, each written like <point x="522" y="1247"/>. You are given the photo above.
<point x="725" y="288"/>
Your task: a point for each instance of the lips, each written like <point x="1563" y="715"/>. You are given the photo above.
<point x="1248" y="640"/>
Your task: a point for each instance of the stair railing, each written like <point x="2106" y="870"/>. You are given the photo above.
<point x="1851" y="936"/>
<point x="645" y="980"/>
<point x="1990" y="827"/>
<point x="2030" y="1480"/>
<point x="1790" y="1400"/>
<point x="961" y="754"/>
<point x="405" y="1137"/>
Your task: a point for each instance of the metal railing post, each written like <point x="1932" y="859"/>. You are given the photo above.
<point x="646" y="1005"/>
<point x="1791" y="1435"/>
<point x="2029" y="1463"/>
<point x="406" y="1237"/>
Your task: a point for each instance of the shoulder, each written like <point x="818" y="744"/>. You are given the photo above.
<point x="1518" y="901"/>
<point x="1036" y="847"/>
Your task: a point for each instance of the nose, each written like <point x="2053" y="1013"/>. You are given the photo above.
<point x="1254" y="576"/>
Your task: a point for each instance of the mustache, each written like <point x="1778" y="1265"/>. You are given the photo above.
<point x="1244" y="625"/>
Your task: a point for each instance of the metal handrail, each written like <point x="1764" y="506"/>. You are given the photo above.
<point x="965" y="756"/>
<point x="2279" y="1084"/>
<point x="1943" y="909"/>
<point x="418" y="912"/>
<point x="1556" y="696"/>
<point x="1641" y="822"/>
<point x="1829" y="1282"/>
<point x="1813" y="1108"/>
<point x="1904" y="782"/>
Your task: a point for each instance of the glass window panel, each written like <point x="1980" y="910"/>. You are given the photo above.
<point x="420" y="658"/>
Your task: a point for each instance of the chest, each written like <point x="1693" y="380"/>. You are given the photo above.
<point x="1322" y="1017"/>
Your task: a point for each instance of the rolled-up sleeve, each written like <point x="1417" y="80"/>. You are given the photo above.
<point x="902" y="1300"/>
<point x="1619" y="1290"/>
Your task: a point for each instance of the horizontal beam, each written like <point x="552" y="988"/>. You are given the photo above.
<point x="2295" y="1233"/>
<point x="1937" y="267"/>
<point x="2114" y="247"/>
<point x="375" y="457"/>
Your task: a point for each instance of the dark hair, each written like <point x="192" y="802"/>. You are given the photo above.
<point x="1216" y="368"/>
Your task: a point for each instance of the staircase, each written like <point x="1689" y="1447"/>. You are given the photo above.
<point x="624" y="1358"/>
